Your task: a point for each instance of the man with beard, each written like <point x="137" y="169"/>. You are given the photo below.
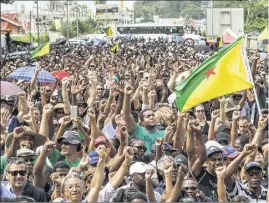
<point x="146" y="130"/>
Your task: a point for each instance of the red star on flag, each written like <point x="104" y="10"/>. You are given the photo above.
<point x="209" y="72"/>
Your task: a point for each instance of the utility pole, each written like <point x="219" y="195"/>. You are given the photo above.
<point x="38" y="41"/>
<point x="212" y="19"/>
<point x="77" y="19"/>
<point x="67" y="30"/>
<point x="31" y="27"/>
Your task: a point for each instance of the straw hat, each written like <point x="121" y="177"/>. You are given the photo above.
<point x="38" y="139"/>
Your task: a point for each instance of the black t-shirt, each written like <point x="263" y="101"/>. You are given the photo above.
<point x="208" y="184"/>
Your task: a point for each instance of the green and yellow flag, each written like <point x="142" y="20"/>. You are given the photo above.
<point x="222" y="74"/>
<point x="41" y="50"/>
<point x="115" y="47"/>
<point x="109" y="31"/>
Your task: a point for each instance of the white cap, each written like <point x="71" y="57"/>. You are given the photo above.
<point x="138" y="167"/>
<point x="213" y="143"/>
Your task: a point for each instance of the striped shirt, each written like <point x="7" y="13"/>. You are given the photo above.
<point x="243" y="190"/>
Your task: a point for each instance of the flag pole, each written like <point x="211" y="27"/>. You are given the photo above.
<point x="250" y="75"/>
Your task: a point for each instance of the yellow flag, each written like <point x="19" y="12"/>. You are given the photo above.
<point x="223" y="73"/>
<point x="41" y="50"/>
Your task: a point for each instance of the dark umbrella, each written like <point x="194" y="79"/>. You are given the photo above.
<point x="8" y="88"/>
<point x="202" y="48"/>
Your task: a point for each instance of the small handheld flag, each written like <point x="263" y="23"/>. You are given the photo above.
<point x="41" y="50"/>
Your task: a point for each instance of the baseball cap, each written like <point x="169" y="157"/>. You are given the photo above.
<point x="211" y="150"/>
<point x="71" y="137"/>
<point x="252" y="165"/>
<point x="25" y="152"/>
<point x="100" y="139"/>
<point x="224" y="128"/>
<point x="168" y="147"/>
<point x="94" y="156"/>
<point x="137" y="167"/>
<point x="213" y="143"/>
<point x="181" y="159"/>
<point x="230" y="152"/>
<point x="188" y="199"/>
<point x="222" y="138"/>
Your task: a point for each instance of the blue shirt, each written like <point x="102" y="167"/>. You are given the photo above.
<point x="6" y="191"/>
<point x="13" y="123"/>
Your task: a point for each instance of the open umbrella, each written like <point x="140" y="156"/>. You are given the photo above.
<point x="8" y="88"/>
<point x="27" y="73"/>
<point x="60" y="74"/>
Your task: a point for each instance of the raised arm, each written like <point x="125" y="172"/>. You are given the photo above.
<point x="190" y="146"/>
<point x="34" y="78"/>
<point x="182" y="172"/>
<point x="44" y="126"/>
<point x="98" y="177"/>
<point x="149" y="187"/>
<point x="23" y="107"/>
<point x="258" y="137"/>
<point x="223" y="117"/>
<point x="234" y="133"/>
<point x="221" y="188"/>
<point x="167" y="170"/>
<point x="130" y="122"/>
<point x="66" y="101"/>
<point x="179" y="134"/>
<point x="18" y="134"/>
<point x="243" y="99"/>
<point x="92" y="97"/>
<point x="233" y="166"/>
<point x="94" y="129"/>
<point x="39" y="176"/>
<point x="211" y="132"/>
<point x="201" y="150"/>
<point x="145" y="94"/>
<point x="117" y="179"/>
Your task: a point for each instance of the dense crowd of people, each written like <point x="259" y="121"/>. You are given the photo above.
<point x="111" y="132"/>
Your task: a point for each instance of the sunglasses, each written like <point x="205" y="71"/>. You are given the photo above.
<point x="60" y="112"/>
<point x="189" y="188"/>
<point x="200" y="111"/>
<point x="15" y="173"/>
<point x="140" y="148"/>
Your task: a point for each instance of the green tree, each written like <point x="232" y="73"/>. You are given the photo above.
<point x="87" y="26"/>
